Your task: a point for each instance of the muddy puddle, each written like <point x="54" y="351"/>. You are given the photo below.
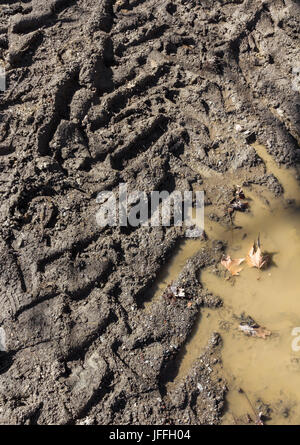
<point x="266" y="369"/>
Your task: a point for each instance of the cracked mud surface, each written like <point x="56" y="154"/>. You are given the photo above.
<point x="162" y="96"/>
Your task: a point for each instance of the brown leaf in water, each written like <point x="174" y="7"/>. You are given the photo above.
<point x="255" y="331"/>
<point x="232" y="265"/>
<point x="262" y="332"/>
<point x="255" y="258"/>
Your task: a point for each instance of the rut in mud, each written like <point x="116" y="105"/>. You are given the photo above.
<point x="161" y="96"/>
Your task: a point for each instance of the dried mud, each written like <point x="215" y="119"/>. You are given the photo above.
<point x="161" y="95"/>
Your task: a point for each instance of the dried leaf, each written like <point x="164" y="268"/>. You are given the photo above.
<point x="262" y="332"/>
<point x="232" y="265"/>
<point x="255" y="331"/>
<point x="255" y="258"/>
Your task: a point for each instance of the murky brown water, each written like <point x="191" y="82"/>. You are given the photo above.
<point x="266" y="369"/>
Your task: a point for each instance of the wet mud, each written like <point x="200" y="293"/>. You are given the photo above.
<point x="171" y="95"/>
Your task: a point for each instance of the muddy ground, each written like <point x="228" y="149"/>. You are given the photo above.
<point x="162" y="96"/>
